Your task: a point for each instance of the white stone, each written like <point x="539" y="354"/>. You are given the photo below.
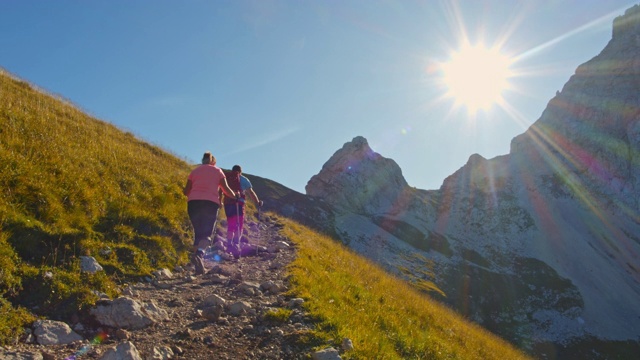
<point x="239" y="308"/>
<point x="212" y="300"/>
<point x="163" y="274"/>
<point x="296" y="302"/>
<point x="326" y="354"/>
<point x="124" y="351"/>
<point x="272" y="287"/>
<point x="127" y="313"/>
<point x="249" y="288"/>
<point x="89" y="264"/>
<point x="50" y="332"/>
<point x="162" y="353"/>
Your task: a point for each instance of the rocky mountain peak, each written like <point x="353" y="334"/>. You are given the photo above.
<point x="570" y="183"/>
<point x="629" y="23"/>
<point x="556" y="218"/>
<point x="591" y="129"/>
<point x="358" y="179"/>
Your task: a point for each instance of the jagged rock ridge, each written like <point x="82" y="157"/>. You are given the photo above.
<point x="539" y="245"/>
<point x="359" y="179"/>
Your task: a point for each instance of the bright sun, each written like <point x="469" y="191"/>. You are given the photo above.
<point x="476" y="77"/>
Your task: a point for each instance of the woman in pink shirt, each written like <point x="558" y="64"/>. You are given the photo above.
<point x="203" y="199"/>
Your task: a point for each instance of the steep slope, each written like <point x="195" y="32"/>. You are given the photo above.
<point x="539" y="245"/>
<point x="71" y="186"/>
<point x="339" y="182"/>
<point x="571" y="185"/>
<point x="294" y="205"/>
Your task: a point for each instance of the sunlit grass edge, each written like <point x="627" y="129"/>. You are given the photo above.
<point x="384" y="316"/>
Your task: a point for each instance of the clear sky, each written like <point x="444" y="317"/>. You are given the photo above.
<point x="278" y="86"/>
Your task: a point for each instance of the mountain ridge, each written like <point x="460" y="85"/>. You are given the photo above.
<point x="563" y="204"/>
<point x="479" y="234"/>
<point x="78" y="190"/>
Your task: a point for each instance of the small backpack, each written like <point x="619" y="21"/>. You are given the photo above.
<point x="233" y="179"/>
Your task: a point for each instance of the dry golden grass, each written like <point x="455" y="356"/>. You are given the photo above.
<point x="385" y="317"/>
<point x="69" y="176"/>
<point x="73" y="185"/>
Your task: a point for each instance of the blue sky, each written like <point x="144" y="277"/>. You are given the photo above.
<point x="279" y="86"/>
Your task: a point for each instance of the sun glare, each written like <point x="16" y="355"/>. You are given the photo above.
<point x="476" y="76"/>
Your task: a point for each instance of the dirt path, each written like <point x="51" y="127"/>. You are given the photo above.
<point x="252" y="287"/>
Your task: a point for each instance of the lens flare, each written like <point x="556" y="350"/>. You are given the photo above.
<point x="98" y="339"/>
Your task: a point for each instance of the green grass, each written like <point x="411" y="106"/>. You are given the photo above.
<point x="12" y="320"/>
<point x="73" y="185"/>
<point x="385" y="317"/>
<point x="280" y="315"/>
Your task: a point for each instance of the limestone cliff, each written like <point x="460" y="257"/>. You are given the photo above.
<point x="540" y="245"/>
<point x="358" y="179"/>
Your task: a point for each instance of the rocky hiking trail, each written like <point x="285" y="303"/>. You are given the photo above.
<point x="228" y="313"/>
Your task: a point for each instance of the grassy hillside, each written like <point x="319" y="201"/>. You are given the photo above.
<point x="73" y="185"/>
<point x="385" y="317"/>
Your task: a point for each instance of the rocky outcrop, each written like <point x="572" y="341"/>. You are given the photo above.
<point x="588" y="133"/>
<point x="539" y="245"/>
<point x="358" y="180"/>
<point x="128" y="313"/>
<point x="575" y="174"/>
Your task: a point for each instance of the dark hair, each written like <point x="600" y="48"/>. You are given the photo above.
<point x="237" y="168"/>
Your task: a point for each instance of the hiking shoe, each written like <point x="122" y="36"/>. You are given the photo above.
<point x="198" y="263"/>
<point x="200" y="269"/>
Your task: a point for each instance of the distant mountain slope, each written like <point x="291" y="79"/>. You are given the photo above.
<point x="540" y="245"/>
<point x="571" y="185"/>
<point x="289" y="203"/>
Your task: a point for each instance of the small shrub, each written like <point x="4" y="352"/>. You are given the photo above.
<point x="60" y="292"/>
<point x="280" y="315"/>
<point x="12" y="322"/>
<point x="9" y="278"/>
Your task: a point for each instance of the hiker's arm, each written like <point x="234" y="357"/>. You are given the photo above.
<point x="224" y="185"/>
<point x="253" y="196"/>
<point x="187" y="188"/>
